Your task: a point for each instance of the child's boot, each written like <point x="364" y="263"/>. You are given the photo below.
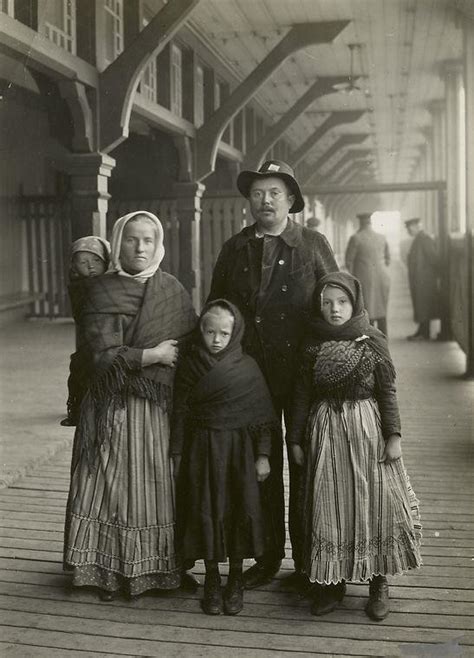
<point x="326" y="598"/>
<point x="212" y="603"/>
<point x="378" y="606"/>
<point x="234" y="595"/>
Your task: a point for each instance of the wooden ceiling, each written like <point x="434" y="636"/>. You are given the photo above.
<point x="397" y="59"/>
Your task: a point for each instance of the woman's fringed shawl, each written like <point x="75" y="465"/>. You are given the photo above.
<point x="340" y="371"/>
<point x="161" y="309"/>
<point x="223" y="391"/>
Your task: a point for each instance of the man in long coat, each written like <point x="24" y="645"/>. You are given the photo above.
<point x="423" y="275"/>
<point x="367" y="258"/>
<point x="269" y="271"/>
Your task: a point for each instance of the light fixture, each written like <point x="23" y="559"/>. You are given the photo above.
<point x="350" y="86"/>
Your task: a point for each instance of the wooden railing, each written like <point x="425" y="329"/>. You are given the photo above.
<point x="46" y="237"/>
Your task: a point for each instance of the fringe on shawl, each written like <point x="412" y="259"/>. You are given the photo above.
<point x="106" y="396"/>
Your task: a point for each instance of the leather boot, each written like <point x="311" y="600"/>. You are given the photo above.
<point x="378" y="606"/>
<point x="234" y="595"/>
<point x="260" y="573"/>
<point x="212" y="603"/>
<point x="326" y="598"/>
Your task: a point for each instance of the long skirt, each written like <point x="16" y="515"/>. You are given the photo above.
<point x="120" y="518"/>
<point x="361" y="517"/>
<point x="219" y="510"/>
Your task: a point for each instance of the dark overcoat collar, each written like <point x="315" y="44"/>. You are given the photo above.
<point x="292" y="235"/>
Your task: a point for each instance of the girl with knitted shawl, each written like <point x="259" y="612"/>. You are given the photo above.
<point x="361" y="517"/>
<point x="221" y="437"/>
<point x="120" y="519"/>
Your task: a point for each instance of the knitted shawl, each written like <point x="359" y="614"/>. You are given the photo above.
<point x="222" y="391"/>
<point x="342" y="357"/>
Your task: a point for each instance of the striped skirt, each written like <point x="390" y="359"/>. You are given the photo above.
<point x="361" y="517"/>
<point x="120" y="519"/>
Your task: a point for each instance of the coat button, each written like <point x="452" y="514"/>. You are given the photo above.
<point x="284" y="287"/>
<point x="281" y="261"/>
<point x="282" y="316"/>
<point x="246" y="269"/>
<point x="258" y="319"/>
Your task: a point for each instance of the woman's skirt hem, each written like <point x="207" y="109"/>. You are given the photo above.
<point x="92" y="575"/>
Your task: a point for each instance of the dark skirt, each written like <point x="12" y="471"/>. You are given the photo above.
<point x="219" y="508"/>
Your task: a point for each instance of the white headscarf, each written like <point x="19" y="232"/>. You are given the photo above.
<point x="116" y="244"/>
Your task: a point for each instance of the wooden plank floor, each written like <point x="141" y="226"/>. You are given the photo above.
<point x="432" y="609"/>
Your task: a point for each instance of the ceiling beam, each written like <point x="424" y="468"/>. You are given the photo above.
<point x="340" y="143"/>
<point x="322" y="87"/>
<point x="375" y="187"/>
<point x="300" y="36"/>
<point x="350" y="156"/>
<point x="335" y="119"/>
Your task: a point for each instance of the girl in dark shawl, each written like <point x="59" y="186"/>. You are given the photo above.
<point x="361" y="517"/>
<point x="120" y="519"/>
<point x="222" y="429"/>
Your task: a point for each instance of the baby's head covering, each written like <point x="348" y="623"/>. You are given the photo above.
<point x="94" y="245"/>
<point x="116" y="241"/>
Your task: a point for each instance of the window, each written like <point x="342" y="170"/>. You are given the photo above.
<point x="148" y="85"/>
<point x="199" y="90"/>
<point x="113" y="29"/>
<point x="176" y="81"/>
<point x="60" y="23"/>
<point x="6" y="6"/>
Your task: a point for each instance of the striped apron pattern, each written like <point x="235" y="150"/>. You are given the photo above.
<point x="120" y="519"/>
<point x="361" y="517"/>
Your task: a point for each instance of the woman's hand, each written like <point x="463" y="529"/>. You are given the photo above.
<point x="165" y="353"/>
<point x="176" y="465"/>
<point x="262" y="466"/>
<point x="297" y="454"/>
<point x="393" y="449"/>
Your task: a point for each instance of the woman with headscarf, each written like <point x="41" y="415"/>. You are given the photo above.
<point x="120" y="519"/>
<point x="361" y="516"/>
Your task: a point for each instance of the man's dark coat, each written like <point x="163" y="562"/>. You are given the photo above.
<point x="423" y="277"/>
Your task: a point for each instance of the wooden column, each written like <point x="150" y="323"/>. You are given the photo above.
<point x="89" y="181"/>
<point x="468" y="38"/>
<point x="452" y="70"/>
<point x="188" y="209"/>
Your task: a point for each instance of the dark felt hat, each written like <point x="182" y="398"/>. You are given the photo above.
<point x="410" y="222"/>
<point x="276" y="168"/>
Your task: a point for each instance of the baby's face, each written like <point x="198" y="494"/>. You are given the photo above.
<point x="216" y="329"/>
<point x="87" y="264"/>
<point x="336" y="306"/>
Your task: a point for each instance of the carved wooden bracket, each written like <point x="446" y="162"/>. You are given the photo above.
<point x="300" y="36"/>
<point x="352" y="155"/>
<point x="74" y="93"/>
<point x="335" y="119"/>
<point x="323" y="86"/>
<point x="118" y="82"/>
<point x="341" y="142"/>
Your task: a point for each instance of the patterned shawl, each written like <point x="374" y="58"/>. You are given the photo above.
<point x="222" y="391"/>
<point x="351" y="350"/>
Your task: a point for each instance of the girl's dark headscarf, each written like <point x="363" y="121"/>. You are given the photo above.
<point x="319" y="330"/>
<point x="224" y="390"/>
